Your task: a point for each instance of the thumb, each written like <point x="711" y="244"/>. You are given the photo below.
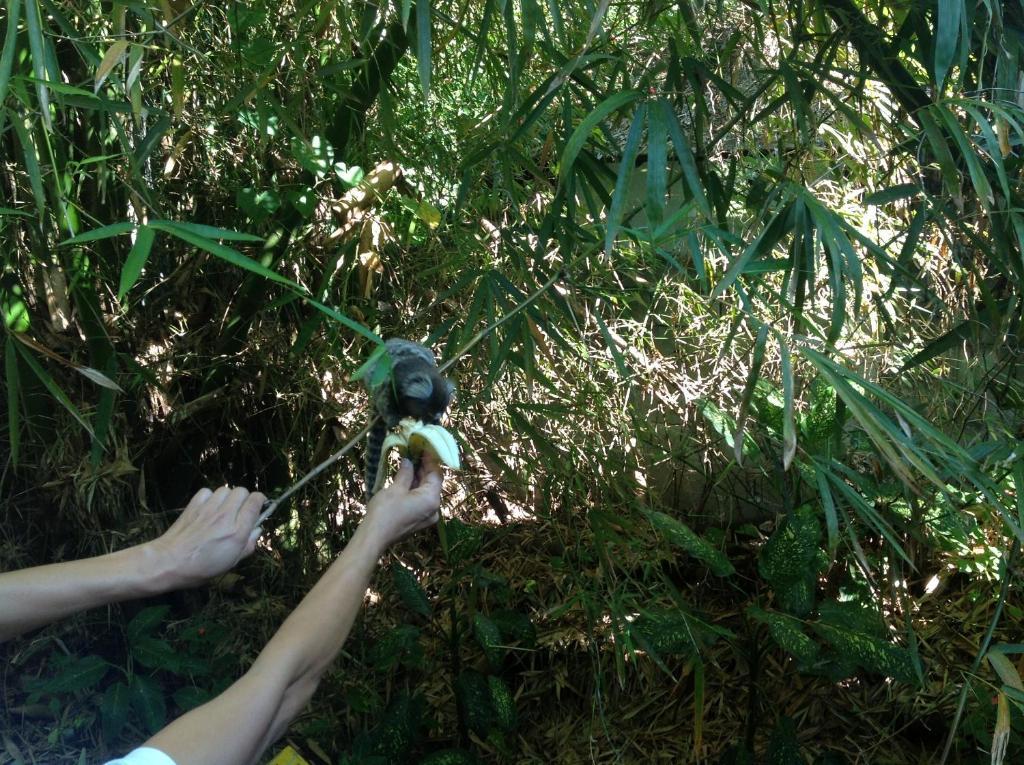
<point x="404" y="476"/>
<point x="254" y="537"/>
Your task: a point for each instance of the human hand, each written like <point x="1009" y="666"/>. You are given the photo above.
<point x="215" y="531"/>
<point x="410" y="503"/>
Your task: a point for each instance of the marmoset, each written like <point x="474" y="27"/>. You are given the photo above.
<point x="413" y="388"/>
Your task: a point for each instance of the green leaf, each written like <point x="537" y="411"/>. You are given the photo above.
<point x="788" y="633"/>
<point x="132" y="268"/>
<point x="423" y="23"/>
<point x="504" y="704"/>
<point x="155" y="654"/>
<point x="613" y="347"/>
<point x="892" y="194"/>
<point x="948" y="23"/>
<point x="682" y="536"/>
<point x="7" y="56"/>
<point x="104" y="232"/>
<point x="37" y="43"/>
<point x="581" y="134"/>
<point x="829" y="506"/>
<point x="757" y="359"/>
<point x="145" y="622"/>
<point x="53" y="388"/>
<point x="489" y="637"/>
<point x="31" y="158"/>
<point x="657" y="161"/>
<point x="221" y="251"/>
<point x="685" y="156"/>
<point x="114" y="708"/>
<point x="476" y="706"/>
<point x="75" y="674"/>
<point x="147" y="699"/>
<point x="214" y="232"/>
<point x="788" y="422"/>
<point x="626" y="165"/>
<point x="151" y="140"/>
<point x="409" y="590"/>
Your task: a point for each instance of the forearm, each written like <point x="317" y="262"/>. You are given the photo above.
<point x="36" y="596"/>
<point x="312" y="635"/>
<point x="239" y="724"/>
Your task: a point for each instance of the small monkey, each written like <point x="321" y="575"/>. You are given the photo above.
<point x="413" y="388"/>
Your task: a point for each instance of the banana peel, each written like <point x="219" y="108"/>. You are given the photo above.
<point x="412" y="438"/>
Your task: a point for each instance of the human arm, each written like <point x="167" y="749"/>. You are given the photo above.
<point x="236" y="726"/>
<point x="213" y="533"/>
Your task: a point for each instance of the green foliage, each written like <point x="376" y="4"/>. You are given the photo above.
<point x="791" y="560"/>
<point x="391" y="741"/>
<point x="679" y="534"/>
<point x="783" y="748"/>
<point x="788" y="633"/>
<point x="781" y="266"/>
<point x="450" y="757"/>
<point x="489" y="637"/>
<point x="476" y="702"/>
<point x="871" y="653"/>
<point x="409" y="590"/>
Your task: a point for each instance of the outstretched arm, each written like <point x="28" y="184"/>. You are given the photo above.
<point x="236" y="726"/>
<point x="213" y="533"/>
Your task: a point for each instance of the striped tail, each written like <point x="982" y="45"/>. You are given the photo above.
<point x="374" y="443"/>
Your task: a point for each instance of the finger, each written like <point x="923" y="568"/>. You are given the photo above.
<point x="233" y="501"/>
<point x="250" y="510"/>
<point x="254" y="537"/>
<point x="405" y="475"/>
<point x="430" y="482"/>
<point x="199" y="498"/>
<point x="215" y="500"/>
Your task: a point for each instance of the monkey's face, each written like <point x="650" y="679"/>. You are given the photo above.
<point x="429" y="408"/>
<point x="422" y="394"/>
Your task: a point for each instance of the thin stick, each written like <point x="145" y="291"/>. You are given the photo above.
<point x="271" y="504"/>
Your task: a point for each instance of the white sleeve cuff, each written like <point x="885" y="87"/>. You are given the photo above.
<point x="144" y="755"/>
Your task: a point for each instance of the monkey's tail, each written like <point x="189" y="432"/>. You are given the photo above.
<point x="374" y="444"/>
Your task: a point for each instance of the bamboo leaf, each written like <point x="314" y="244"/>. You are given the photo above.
<point x="133" y="264"/>
<point x="37" y="48"/>
<point x="685" y="157"/>
<point x="110" y="59"/>
<point x="629" y="153"/>
<point x="221" y="251"/>
<point x="423" y="52"/>
<point x="657" y="159"/>
<point x="53" y="388"/>
<point x="829" y="506"/>
<point x="31" y="157"/>
<point x="748" y="390"/>
<point x="788" y="423"/>
<point x="948" y="23"/>
<point x="582" y="132"/>
<point x="213" y="232"/>
<point x="7" y="56"/>
<point x="103" y="232"/>
<point x="892" y="194"/>
<point x="613" y="347"/>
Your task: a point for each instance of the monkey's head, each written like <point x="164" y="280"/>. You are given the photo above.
<point x="420" y="391"/>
